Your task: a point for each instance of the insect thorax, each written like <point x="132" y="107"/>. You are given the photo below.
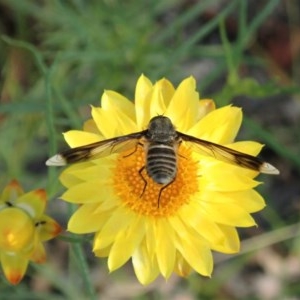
<point x="161" y="130"/>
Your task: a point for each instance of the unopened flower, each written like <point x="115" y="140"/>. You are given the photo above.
<point x="172" y="225"/>
<point x="23" y="228"/>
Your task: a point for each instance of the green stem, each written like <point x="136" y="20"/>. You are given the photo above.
<point x="82" y="264"/>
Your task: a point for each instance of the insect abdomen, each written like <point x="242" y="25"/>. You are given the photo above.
<point x="161" y="163"/>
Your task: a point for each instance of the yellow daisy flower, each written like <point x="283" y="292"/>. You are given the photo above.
<point x="168" y="226"/>
<point x="23" y="228"/>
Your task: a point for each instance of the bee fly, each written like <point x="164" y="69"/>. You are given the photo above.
<point x="160" y="142"/>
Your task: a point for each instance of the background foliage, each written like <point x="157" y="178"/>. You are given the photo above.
<point x="56" y="59"/>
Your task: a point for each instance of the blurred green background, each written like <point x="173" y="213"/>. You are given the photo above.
<point x="56" y="59"/>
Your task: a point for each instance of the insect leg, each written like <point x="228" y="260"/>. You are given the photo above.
<point x="179" y="143"/>
<point x="181" y="156"/>
<point x="145" y="181"/>
<point x="135" y="148"/>
<point x="161" y="190"/>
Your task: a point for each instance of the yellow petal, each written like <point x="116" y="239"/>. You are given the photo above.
<point x="158" y="106"/>
<point x="182" y="268"/>
<point x="125" y="244"/>
<point x="96" y="190"/>
<point x="195" y="251"/>
<point x="227" y="214"/>
<point x="90" y="126"/>
<point x="39" y="254"/>
<point x="150" y="238"/>
<point x="10" y="193"/>
<point x="16" y="230"/>
<point x="165" y="249"/>
<point x="121" y="110"/>
<point x="183" y="108"/>
<point x="225" y="241"/>
<point x="103" y="252"/>
<point x="33" y="202"/>
<point x="14" y="267"/>
<point x="250" y="200"/>
<point x="87" y="219"/>
<point x="47" y="228"/>
<point x="67" y="177"/>
<point x="231" y="244"/>
<point x="205" y="107"/>
<point x="197" y="254"/>
<point x="190" y="214"/>
<point x="101" y="168"/>
<point x="248" y="147"/>
<point x="115" y="103"/>
<point x="166" y="89"/>
<point x="113" y="226"/>
<point x="145" y="266"/>
<point x="76" y="138"/>
<point x="219" y="176"/>
<point x="109" y="127"/>
<point x="220" y="126"/>
<point x="106" y="123"/>
<point x="142" y="101"/>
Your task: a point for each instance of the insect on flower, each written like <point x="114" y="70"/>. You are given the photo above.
<point x="160" y="142"/>
<point x="176" y="186"/>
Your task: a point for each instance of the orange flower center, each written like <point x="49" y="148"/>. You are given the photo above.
<point x="143" y="195"/>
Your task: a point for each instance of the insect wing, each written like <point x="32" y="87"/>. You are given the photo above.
<point x="228" y="155"/>
<point x="96" y="150"/>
